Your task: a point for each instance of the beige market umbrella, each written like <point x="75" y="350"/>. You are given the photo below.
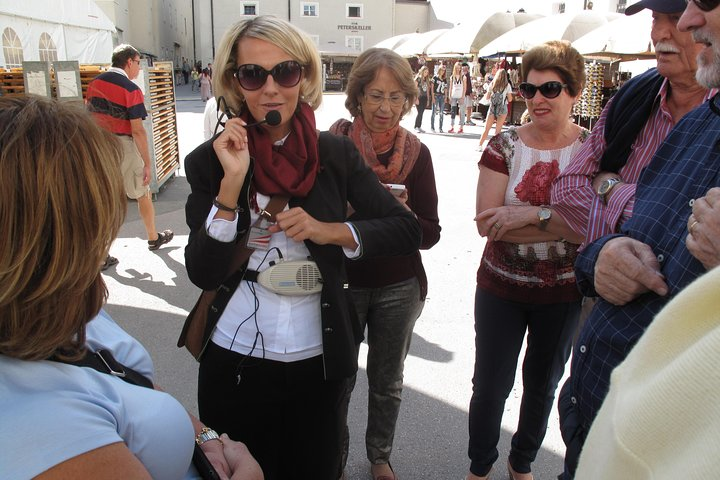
<point x="473" y="34"/>
<point x="626" y="38"/>
<point x="563" y="26"/>
<point x="418" y="42"/>
<point x="395" y="41"/>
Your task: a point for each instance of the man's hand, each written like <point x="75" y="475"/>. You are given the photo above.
<point x="703" y="240"/>
<point x="146" y="175"/>
<point x="625" y="269"/>
<point x="242" y="464"/>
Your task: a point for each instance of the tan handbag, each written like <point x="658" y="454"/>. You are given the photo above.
<point x="203" y="317"/>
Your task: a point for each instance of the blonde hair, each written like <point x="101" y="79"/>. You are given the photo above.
<point x="561" y="57"/>
<point x="291" y="39"/>
<point x="61" y="204"/>
<point x="365" y="70"/>
<point x="500" y="81"/>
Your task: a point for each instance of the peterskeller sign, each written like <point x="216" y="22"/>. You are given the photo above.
<point x="354" y="27"/>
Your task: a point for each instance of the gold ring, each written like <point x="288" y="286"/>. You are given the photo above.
<point x="692" y="225"/>
<point x="497" y="225"/>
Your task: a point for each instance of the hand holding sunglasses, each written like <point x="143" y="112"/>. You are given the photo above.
<point x="548" y="89"/>
<point x="286" y="74"/>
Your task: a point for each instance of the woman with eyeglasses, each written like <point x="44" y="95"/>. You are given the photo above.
<point x="499" y="96"/>
<point x="389" y="292"/>
<point x="526" y="279"/>
<point x="275" y="368"/>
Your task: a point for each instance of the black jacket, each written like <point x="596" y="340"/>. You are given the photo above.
<point x="343" y="177"/>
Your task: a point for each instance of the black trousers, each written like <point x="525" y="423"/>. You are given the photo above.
<point x="421" y="106"/>
<point x="288" y="415"/>
<point x="500" y="327"/>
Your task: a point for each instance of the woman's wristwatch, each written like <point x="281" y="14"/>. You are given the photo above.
<point x="606" y="186"/>
<point x="207" y="434"/>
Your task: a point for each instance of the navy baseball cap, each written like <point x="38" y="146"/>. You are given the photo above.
<point x="660" y="6"/>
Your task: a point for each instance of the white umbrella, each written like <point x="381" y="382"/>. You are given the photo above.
<point x="627" y="37"/>
<point x="395" y="41"/>
<point x="417" y="44"/>
<point x="563" y="26"/>
<point x="473" y="34"/>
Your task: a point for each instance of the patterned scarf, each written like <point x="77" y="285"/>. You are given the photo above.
<point x="289" y="169"/>
<point x="404" y="145"/>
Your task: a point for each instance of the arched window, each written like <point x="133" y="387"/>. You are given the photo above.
<point x="12" y="48"/>
<point x="47" y="48"/>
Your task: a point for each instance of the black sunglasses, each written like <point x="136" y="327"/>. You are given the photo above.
<point x="548" y="89"/>
<point x="253" y="77"/>
<point x="705" y="5"/>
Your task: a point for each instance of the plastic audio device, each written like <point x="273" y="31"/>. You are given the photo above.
<point x="292" y="278"/>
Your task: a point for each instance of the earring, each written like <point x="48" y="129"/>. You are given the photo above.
<point x="360" y="108"/>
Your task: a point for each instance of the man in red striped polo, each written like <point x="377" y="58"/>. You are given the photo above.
<point x="118" y="105"/>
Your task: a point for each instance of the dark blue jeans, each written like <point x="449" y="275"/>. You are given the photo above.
<point x="500" y="327"/>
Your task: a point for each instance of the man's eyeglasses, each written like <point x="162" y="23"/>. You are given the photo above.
<point x="548" y="89"/>
<point x="705" y="5"/>
<point x="376" y="99"/>
<point x="252" y="77"/>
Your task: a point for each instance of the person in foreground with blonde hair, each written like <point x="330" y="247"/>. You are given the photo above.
<point x="275" y="366"/>
<point x="60" y="419"/>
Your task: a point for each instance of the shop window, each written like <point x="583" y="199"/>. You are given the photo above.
<point x="250" y="8"/>
<point x="354" y="43"/>
<point x="12" y="48"/>
<point x="354" y="10"/>
<point x="310" y="9"/>
<point x="47" y="48"/>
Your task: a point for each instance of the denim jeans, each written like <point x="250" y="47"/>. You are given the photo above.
<point x="389" y="314"/>
<point x="457" y="106"/>
<point x="500" y="327"/>
<point x="439" y="107"/>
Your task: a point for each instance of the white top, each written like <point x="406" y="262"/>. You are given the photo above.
<point x="210" y="119"/>
<point x="52" y="412"/>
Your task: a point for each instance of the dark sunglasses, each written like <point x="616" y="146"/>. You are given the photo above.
<point x="705" y="5"/>
<point x="252" y="77"/>
<point x="548" y="89"/>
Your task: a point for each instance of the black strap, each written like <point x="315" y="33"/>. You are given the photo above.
<point x="629" y="111"/>
<point x="104" y="362"/>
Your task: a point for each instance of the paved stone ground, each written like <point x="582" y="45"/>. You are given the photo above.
<point x="150" y="295"/>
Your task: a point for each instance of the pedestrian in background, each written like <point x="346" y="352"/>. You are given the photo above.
<point x="499" y="95"/>
<point x="439" y="88"/>
<point x="422" y="80"/>
<point x="457" y="85"/>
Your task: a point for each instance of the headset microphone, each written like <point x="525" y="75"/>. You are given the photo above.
<point x="272" y="118"/>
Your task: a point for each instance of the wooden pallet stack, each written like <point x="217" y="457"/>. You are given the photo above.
<point x="159" y="102"/>
<point x="11" y="82"/>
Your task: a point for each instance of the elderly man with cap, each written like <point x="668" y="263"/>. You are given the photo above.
<point x="640" y="263"/>
<point x="595" y="194"/>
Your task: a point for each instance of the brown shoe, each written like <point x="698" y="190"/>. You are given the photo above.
<point x="518" y="476"/>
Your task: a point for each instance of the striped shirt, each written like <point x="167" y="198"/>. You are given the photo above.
<point x="573" y="196"/>
<point x="684" y="168"/>
<point x="114" y="100"/>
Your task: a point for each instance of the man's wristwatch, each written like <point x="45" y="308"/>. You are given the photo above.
<point x="207" y="434"/>
<point x="606" y="186"/>
<point x="544" y="215"/>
